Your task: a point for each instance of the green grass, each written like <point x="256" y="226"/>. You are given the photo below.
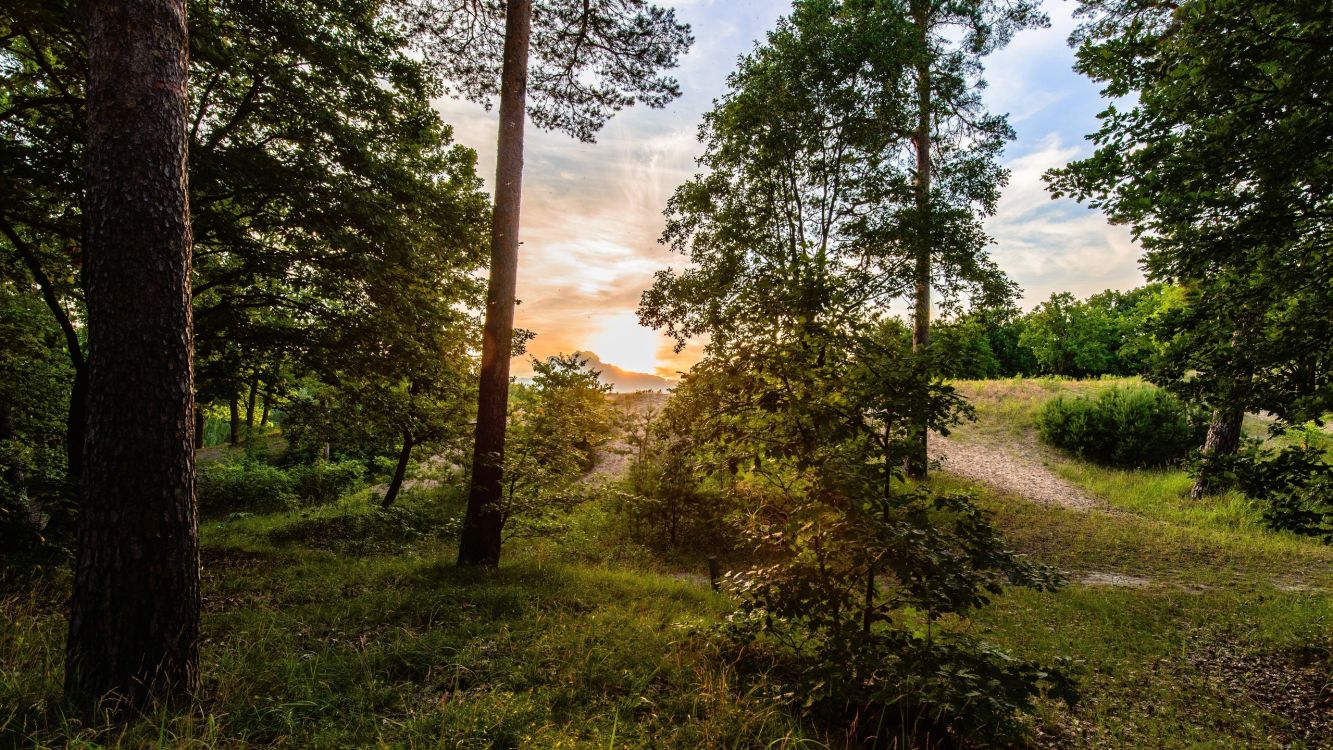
<point x="311" y="646"/>
<point x="1147" y="677"/>
<point x="1207" y="577"/>
<point x="346" y="627"/>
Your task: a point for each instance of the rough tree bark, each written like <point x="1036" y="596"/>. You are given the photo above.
<point x="134" y="614"/>
<point x="479" y="543"/>
<point x="1224" y="432"/>
<point x="916" y="459"/>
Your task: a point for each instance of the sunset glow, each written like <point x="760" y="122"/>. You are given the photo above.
<point x="592" y="213"/>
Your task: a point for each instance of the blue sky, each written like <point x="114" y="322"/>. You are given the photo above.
<point x="592" y="212"/>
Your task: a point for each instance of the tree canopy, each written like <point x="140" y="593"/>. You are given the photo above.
<point x="1219" y="164"/>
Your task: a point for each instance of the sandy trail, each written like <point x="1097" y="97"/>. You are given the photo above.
<point x="1016" y="469"/>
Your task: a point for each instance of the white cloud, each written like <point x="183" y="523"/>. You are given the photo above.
<point x="1057" y="245"/>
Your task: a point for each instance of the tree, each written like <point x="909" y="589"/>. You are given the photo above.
<point x="41" y="135"/>
<point x="129" y="641"/>
<point x="558" y="422"/>
<point x="35" y="379"/>
<point x="1220" y="168"/>
<point x="798" y="211"/>
<point x="315" y="159"/>
<point x="807" y="400"/>
<point x="956" y="143"/>
<point x="584" y="61"/>
<point x="1069" y="337"/>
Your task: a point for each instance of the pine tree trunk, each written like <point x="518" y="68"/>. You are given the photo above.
<point x="399" y="472"/>
<point x="916" y="458"/>
<point x="234" y="436"/>
<point x="134" y="614"/>
<point x="1224" y="432"/>
<point x="479" y="543"/>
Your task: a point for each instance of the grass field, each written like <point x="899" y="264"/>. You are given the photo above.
<point x="343" y="627"/>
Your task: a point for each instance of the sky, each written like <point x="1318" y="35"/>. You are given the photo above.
<point x="592" y="213"/>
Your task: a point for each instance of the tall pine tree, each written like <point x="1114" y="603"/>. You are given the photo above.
<point x="134" y="615"/>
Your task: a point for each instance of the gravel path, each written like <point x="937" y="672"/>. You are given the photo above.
<point x="1015" y="469"/>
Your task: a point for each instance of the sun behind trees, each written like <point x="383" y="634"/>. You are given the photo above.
<point x="582" y="62"/>
<point x="291" y="326"/>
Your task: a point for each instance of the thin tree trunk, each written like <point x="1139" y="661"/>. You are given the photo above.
<point x="198" y="426"/>
<point x="479" y="543"/>
<point x="1224" y="432"/>
<point x="76" y="423"/>
<point x="134" y="613"/>
<point x="252" y="401"/>
<point x="268" y="402"/>
<point x="916" y="458"/>
<point x="868" y="613"/>
<point x="79" y="390"/>
<point x="399" y="472"/>
<point x="235" y="435"/>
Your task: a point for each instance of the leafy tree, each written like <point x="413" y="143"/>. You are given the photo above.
<point x="322" y="185"/>
<point x="42" y="122"/>
<point x="1219" y="165"/>
<point x="138" y="520"/>
<point x="1068" y="337"/>
<point x="584" y="61"/>
<point x="557" y="424"/>
<point x="808" y="401"/>
<point x="962" y="347"/>
<point x="802" y="190"/>
<point x="1110" y="333"/>
<point x="35" y="377"/>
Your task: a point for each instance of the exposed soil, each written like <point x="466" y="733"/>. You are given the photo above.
<point x="1016" y="469"/>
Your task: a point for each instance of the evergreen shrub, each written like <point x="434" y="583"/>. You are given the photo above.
<point x="1123" y="427"/>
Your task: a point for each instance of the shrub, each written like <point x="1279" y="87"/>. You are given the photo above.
<point x="1126" y="427"/>
<point x="1295" y="484"/>
<point x="848" y="616"/>
<point x="667" y="508"/>
<point x="245" y="485"/>
<point x="323" y="482"/>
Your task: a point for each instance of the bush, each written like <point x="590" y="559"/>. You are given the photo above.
<point x="846" y="617"/>
<point x="1295" y="484"/>
<point x="254" y="486"/>
<point x="245" y="485"/>
<point x="1125" y="427"/>
<point x="323" y="482"/>
<point x="667" y="508"/>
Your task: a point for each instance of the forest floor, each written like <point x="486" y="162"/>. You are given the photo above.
<point x="345" y="626"/>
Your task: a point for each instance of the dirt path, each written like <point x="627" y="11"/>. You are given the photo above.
<point x="1016" y="469"/>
